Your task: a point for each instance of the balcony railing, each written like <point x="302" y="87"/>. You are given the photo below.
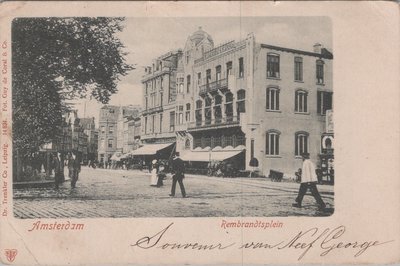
<point x="216" y="122"/>
<point x="213" y="86"/>
<point x="152" y="110"/>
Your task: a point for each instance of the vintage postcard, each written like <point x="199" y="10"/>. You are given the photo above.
<point x="195" y="133"/>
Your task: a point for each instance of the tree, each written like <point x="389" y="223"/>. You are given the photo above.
<point x="56" y="60"/>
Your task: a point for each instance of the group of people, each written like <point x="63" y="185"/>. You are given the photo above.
<point x="73" y="162"/>
<point x="178" y="174"/>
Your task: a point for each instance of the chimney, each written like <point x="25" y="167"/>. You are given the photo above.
<point x="317" y="48"/>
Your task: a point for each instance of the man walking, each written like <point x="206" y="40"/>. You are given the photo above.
<point x="178" y="170"/>
<point x="308" y="181"/>
<point x="58" y="169"/>
<point x="74" y="167"/>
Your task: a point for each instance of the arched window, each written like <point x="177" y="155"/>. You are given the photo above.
<point x="300" y="101"/>
<point x="272" y="99"/>
<point x="273" y="65"/>
<point x="272" y="142"/>
<point x="301" y="143"/>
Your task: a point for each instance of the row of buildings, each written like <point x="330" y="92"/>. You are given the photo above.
<point x="241" y="99"/>
<point x="119" y="131"/>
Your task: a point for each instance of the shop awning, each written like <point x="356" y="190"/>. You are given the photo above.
<point x="116" y="156"/>
<point x="201" y="156"/>
<point x="150" y="149"/>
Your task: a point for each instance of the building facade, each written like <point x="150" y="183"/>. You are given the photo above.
<point x="89" y="128"/>
<point x="263" y="101"/>
<point x="108" y="120"/>
<point x="122" y="136"/>
<point x="159" y="98"/>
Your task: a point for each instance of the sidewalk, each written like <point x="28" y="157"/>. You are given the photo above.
<point x="123" y="193"/>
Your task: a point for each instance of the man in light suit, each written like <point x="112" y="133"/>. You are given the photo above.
<point x="309" y="180"/>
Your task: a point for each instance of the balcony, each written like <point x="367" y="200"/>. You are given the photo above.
<point x="213" y="87"/>
<point x="220" y="122"/>
<point x="152" y="110"/>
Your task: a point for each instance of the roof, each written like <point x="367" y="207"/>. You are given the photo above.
<point x="200" y="35"/>
<point x="324" y="52"/>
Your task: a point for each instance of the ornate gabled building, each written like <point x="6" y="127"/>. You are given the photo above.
<point x="242" y="100"/>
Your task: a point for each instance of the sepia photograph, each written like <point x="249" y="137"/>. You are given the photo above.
<point x="199" y="133"/>
<point x="172" y="117"/>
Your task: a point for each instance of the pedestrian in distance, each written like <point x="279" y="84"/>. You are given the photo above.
<point x="178" y="171"/>
<point x="161" y="175"/>
<point x="154" y="172"/>
<point x="309" y="180"/>
<point x="74" y="167"/>
<point x="58" y="169"/>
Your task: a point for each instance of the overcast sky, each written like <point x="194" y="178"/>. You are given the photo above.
<point x="148" y="38"/>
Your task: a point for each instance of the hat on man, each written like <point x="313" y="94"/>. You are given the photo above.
<point x="305" y="155"/>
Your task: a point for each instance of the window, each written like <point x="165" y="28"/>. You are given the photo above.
<point x="187" y="115"/>
<point x="162" y="83"/>
<point x="300" y="105"/>
<point x="241" y="68"/>
<point x="172" y="121"/>
<point x="320" y="72"/>
<point x="161" y="99"/>
<point x="153" y="118"/>
<point x="272" y="142"/>
<point x="145" y="125"/>
<point x="180" y="121"/>
<point x="111" y="129"/>
<point x="187" y="57"/>
<point x="198" y="112"/>
<point x="102" y="144"/>
<point x="298" y="69"/>
<point x="229" y="106"/>
<point x="188" y="81"/>
<point x="228" y="69"/>
<point x="187" y="144"/>
<point x="301" y="143"/>
<point x="103" y="129"/>
<point x="208" y="76"/>
<point x="273" y="66"/>
<point x="147" y="103"/>
<point x="199" y="78"/>
<point x="179" y="82"/>
<point x="161" y="120"/>
<point x="217" y="109"/>
<point x="324" y="102"/>
<point x="240" y="103"/>
<point x="218" y="73"/>
<point x="272" y="99"/>
<point x="110" y="143"/>
<point x="207" y="110"/>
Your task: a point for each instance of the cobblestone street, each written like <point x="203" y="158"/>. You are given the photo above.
<point x="121" y="193"/>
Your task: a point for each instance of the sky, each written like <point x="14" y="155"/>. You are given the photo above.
<point x="148" y="38"/>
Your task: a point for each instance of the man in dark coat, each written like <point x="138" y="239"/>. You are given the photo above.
<point x="178" y="170"/>
<point x="58" y="169"/>
<point x="74" y="168"/>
